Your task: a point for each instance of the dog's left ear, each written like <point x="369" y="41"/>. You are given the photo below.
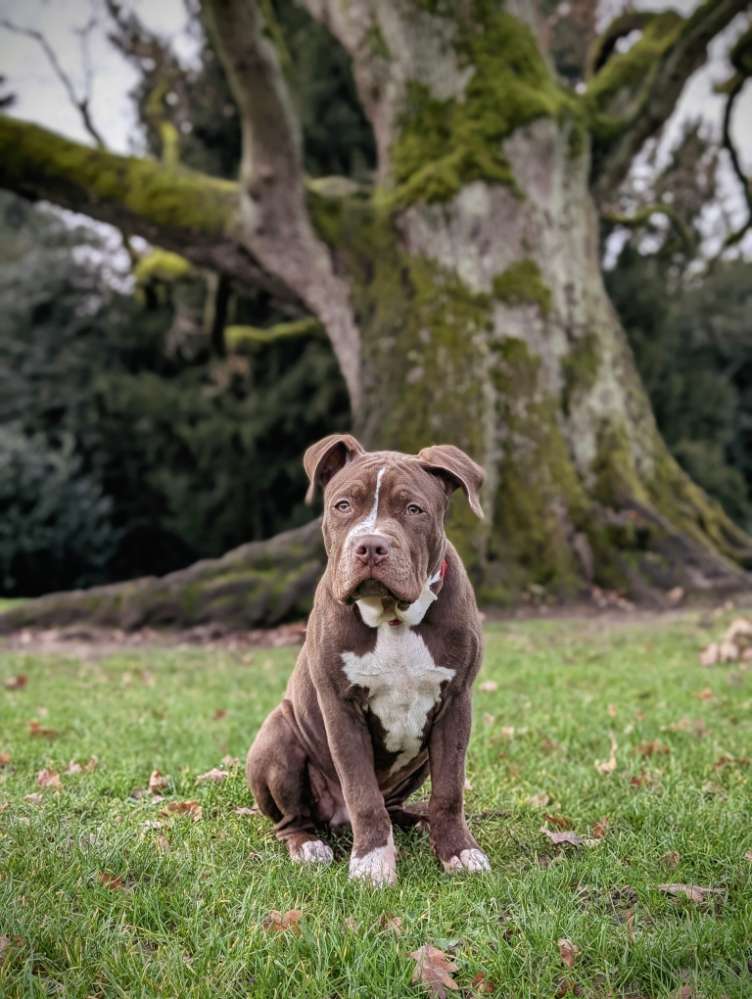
<point x="324" y="459"/>
<point x="455" y="469"/>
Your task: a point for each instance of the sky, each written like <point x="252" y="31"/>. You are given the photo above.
<point x="40" y="97"/>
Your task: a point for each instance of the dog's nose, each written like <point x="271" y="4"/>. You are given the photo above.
<point x="372" y="549"/>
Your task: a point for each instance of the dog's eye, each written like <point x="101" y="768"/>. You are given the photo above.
<point x="342" y="505"/>
<point x="414" y="508"/>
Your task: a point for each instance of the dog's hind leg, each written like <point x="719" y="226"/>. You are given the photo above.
<point x="277" y="774"/>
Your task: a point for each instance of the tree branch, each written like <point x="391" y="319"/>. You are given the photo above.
<point x="81" y="104"/>
<point x="644" y="215"/>
<point x="188" y="212"/>
<point x="635" y="92"/>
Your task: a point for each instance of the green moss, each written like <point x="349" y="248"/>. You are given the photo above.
<point x="36" y="160"/>
<point x="442" y="145"/>
<point x="239" y="336"/>
<point x="580" y="367"/>
<point x="609" y="99"/>
<point x="162" y="265"/>
<point x="522" y="284"/>
<point x="375" y="42"/>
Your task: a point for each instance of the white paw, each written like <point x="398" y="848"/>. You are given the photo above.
<point x="475" y="861"/>
<point x="314" y="852"/>
<point x="379" y="866"/>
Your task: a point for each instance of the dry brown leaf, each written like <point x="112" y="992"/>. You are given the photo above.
<point x="488" y="686"/>
<point x="158" y="782"/>
<point x="566" y="838"/>
<point x="671" y="859"/>
<point x="37" y="730"/>
<point x="242" y="810"/>
<point x="74" y="767"/>
<point x="278" y="922"/>
<point x="601" y="827"/>
<point x="695" y="726"/>
<point x="433" y="968"/>
<point x="568" y="952"/>
<point x="608" y="766"/>
<point x="5" y="759"/>
<point x="482" y="984"/>
<point x="559" y="821"/>
<point x="629" y="922"/>
<point x="567" y="987"/>
<point x="507" y="731"/>
<point x="34" y="799"/>
<point x="219" y="714"/>
<point x="611" y="710"/>
<point x="695" y="893"/>
<point x="539" y="800"/>
<point x="111" y="881"/>
<point x="653" y="748"/>
<point x="392" y="923"/>
<point x="49" y="778"/>
<point x="731" y="761"/>
<point x="748" y="856"/>
<point x="215" y="774"/>
<point x="706" y="694"/>
<point x="190" y="808"/>
<point x="16" y="682"/>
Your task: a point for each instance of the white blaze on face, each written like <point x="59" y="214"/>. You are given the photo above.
<point x="368" y="524"/>
<point x="403" y="684"/>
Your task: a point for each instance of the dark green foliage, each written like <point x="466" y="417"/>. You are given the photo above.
<point x="55" y="523"/>
<point x="693" y="346"/>
<point x="197" y="454"/>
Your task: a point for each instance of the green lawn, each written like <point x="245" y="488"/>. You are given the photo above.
<point x="103" y="895"/>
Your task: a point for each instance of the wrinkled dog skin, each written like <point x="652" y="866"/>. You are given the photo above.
<point x="380" y="695"/>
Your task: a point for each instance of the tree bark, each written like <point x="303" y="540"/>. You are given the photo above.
<point x="468" y="289"/>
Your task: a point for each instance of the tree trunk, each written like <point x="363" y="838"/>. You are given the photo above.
<point x="485" y="322"/>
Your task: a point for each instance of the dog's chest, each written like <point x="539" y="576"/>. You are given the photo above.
<point x="403" y="684"/>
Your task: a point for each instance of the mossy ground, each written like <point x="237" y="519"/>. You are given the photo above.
<point x="188" y="919"/>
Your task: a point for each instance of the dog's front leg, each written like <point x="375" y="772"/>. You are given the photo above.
<point x="450" y="837"/>
<point x="373" y="856"/>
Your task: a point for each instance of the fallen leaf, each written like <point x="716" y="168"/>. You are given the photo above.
<point x="712" y="787"/>
<point x="566" y="838"/>
<point x="215" y="774"/>
<point x="482" y="984"/>
<point x="151" y="824"/>
<point x="393" y="923"/>
<point x="731" y="761"/>
<point x="242" y="810"/>
<point x="191" y="808"/>
<point x="73" y="768"/>
<point x="611" y="710"/>
<point x="695" y="893"/>
<point x="706" y="694"/>
<point x="157" y="782"/>
<point x="642" y="779"/>
<point x="5" y="759"/>
<point x="567" y="987"/>
<point x="111" y="881"/>
<point x="488" y="686"/>
<point x="434" y="970"/>
<point x="559" y="821"/>
<point x="671" y="858"/>
<point x="539" y="800"/>
<point x="16" y="682"/>
<point x="80" y="768"/>
<point x="748" y="856"/>
<point x="49" y="778"/>
<point x="629" y="922"/>
<point x="488" y="719"/>
<point x="695" y="726"/>
<point x="507" y="731"/>
<point x="34" y="799"/>
<point x="600" y="828"/>
<point x="653" y="748"/>
<point x="608" y="766"/>
<point x="219" y="714"/>
<point x="281" y="921"/>
<point x="37" y="730"/>
<point x="568" y="952"/>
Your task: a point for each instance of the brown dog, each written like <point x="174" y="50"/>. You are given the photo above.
<point x="380" y="694"/>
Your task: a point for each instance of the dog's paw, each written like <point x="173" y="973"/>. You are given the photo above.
<point x="378" y="866"/>
<point x="313" y="851"/>
<point x="474" y="861"/>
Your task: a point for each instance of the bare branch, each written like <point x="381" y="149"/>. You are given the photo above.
<point x="635" y="92"/>
<point x="81" y="104"/>
<point x="644" y="214"/>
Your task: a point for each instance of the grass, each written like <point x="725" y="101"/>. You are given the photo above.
<point x="184" y="916"/>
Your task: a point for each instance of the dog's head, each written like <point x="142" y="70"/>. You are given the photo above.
<point x="384" y="514"/>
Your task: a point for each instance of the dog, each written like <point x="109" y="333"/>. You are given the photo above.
<point x="380" y="694"/>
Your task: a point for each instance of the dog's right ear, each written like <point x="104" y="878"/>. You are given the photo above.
<point x="324" y="459"/>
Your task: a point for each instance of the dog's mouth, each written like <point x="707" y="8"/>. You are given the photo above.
<point x="375" y="588"/>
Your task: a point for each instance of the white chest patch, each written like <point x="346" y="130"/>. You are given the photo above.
<point x="403" y="684"/>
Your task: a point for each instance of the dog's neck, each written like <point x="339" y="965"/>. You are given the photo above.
<point x="375" y="611"/>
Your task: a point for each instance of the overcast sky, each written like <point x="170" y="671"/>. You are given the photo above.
<point x="40" y="97"/>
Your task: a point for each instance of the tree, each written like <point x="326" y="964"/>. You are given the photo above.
<point x="461" y="290"/>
